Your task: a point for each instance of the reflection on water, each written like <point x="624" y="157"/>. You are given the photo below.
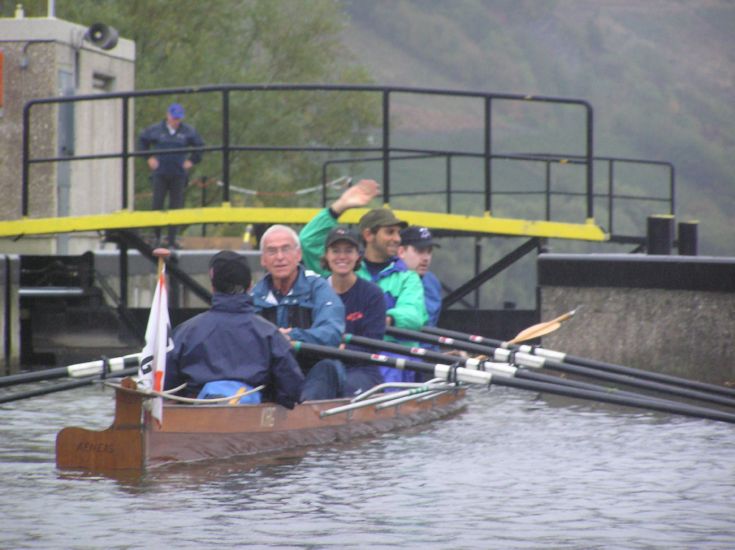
<point x="513" y="471"/>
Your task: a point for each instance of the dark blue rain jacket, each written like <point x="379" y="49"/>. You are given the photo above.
<point x="231" y="342"/>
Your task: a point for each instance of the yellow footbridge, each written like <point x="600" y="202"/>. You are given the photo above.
<point x="486" y="224"/>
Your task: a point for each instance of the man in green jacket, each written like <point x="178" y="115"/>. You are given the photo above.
<point x="380" y="232"/>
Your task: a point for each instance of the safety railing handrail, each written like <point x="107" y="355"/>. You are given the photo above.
<point x="414" y="154"/>
<point x="226" y="147"/>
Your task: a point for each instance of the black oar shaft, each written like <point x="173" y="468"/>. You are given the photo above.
<point x="637" y="382"/>
<point x="81" y="369"/>
<point x="479" y="377"/>
<point x="527" y="360"/>
<point x="616" y="399"/>
<point x="585" y="362"/>
<point x="649" y="375"/>
<point x="70" y="385"/>
<point x="476" y="338"/>
<point x="26" y="377"/>
<point x="481" y="365"/>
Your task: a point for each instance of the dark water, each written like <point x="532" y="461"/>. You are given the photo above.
<point x="512" y="471"/>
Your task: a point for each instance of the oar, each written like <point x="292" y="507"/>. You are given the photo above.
<point x="541" y="329"/>
<point x="500" y="369"/>
<point x="535" y="361"/>
<point x="454" y="373"/>
<point x="591" y="363"/>
<point x="72" y="384"/>
<point x="79" y="369"/>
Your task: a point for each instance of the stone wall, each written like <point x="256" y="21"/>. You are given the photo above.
<point x="682" y="329"/>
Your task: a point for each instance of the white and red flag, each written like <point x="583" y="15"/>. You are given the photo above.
<point x="158" y="342"/>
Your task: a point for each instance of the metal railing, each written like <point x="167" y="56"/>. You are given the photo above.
<point x="385" y="150"/>
<point x="612" y="198"/>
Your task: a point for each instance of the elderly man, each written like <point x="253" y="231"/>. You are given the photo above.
<point x="299" y="302"/>
<point x="303" y="306"/>
<point x="230" y="344"/>
<point x="380" y="231"/>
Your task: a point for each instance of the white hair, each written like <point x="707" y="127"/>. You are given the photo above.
<point x="275" y="229"/>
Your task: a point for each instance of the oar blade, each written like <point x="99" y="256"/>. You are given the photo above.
<point x="541" y="329"/>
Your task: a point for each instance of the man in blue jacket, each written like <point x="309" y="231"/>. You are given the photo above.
<point x="301" y="303"/>
<point x="170" y="171"/>
<point x="231" y="343"/>
<point x="416" y="251"/>
<point x="298" y="301"/>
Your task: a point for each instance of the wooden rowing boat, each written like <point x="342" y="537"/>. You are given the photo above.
<point x="199" y="432"/>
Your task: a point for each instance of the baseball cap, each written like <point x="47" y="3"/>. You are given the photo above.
<point x="229" y="269"/>
<point x="176" y="110"/>
<point x="417" y="236"/>
<point x="341" y="234"/>
<point x="380" y="217"/>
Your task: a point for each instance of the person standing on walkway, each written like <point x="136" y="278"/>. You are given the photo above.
<point x="170" y="171"/>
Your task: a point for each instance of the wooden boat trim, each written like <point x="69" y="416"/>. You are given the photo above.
<point x="193" y="433"/>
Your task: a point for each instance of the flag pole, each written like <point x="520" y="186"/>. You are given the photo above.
<point x="162" y="254"/>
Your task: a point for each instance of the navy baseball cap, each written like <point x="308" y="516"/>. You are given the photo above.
<point x="176" y="110"/>
<point x="341" y="234"/>
<point x="417" y="236"/>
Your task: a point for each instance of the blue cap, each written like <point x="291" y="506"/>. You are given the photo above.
<point x="416" y="236"/>
<point x="176" y="110"/>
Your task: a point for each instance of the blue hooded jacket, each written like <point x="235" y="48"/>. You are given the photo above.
<point x="432" y="297"/>
<point x="231" y="342"/>
<point x="311" y="308"/>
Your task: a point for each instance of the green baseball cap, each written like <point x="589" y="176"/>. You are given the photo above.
<point x="380" y="217"/>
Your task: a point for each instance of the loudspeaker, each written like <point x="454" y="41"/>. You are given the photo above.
<point x="101" y="35"/>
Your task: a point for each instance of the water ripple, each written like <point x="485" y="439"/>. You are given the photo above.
<point x="513" y="471"/>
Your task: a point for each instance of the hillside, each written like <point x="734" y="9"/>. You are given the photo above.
<point x="659" y="74"/>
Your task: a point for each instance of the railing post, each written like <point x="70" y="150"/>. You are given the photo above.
<point x="488" y="154"/>
<point x="548" y="190"/>
<point x="26" y="157"/>
<point x="226" y="146"/>
<point x="610" y="195"/>
<point x="125" y="151"/>
<point x="590" y="165"/>
<point x="673" y="190"/>
<point x="449" y="183"/>
<point x="122" y="249"/>
<point x="324" y="184"/>
<point x="386" y="146"/>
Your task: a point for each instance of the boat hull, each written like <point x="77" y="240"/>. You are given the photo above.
<point x="195" y="432"/>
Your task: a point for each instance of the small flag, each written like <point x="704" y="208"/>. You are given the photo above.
<point x="158" y="342"/>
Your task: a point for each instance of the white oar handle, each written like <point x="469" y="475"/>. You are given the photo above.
<point x="92" y="368"/>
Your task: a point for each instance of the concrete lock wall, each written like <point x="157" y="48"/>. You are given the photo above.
<point x="47" y="57"/>
<point x="669" y="314"/>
